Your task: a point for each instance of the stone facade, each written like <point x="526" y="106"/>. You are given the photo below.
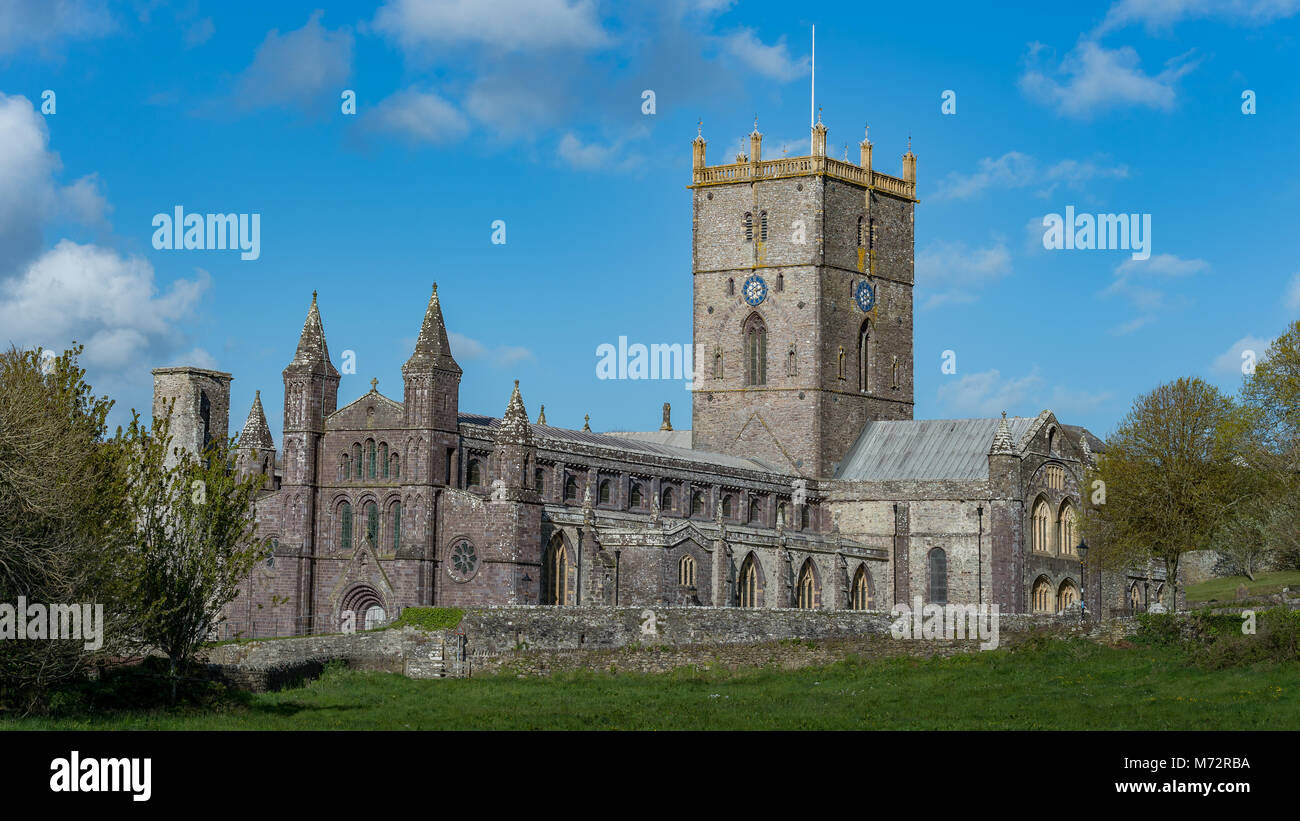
<point x="806" y="482"/>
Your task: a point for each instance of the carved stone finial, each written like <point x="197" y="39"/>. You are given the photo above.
<point x="374" y="385"/>
<point x="667" y="423"/>
<point x="541" y="416"/>
<point x="586" y="422"/>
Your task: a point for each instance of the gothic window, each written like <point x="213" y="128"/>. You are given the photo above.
<point x="860" y="595"/>
<point x="356" y="460"/>
<point x="539" y="481"/>
<point x="755" y="511"/>
<point x="780" y="282"/>
<point x="474" y="473"/>
<point x="749" y="226"/>
<point x="1055" y="476"/>
<point x="731" y="287"/>
<point x="1135" y="598"/>
<point x="697" y="504"/>
<point x="205" y="416"/>
<point x="864" y="360"/>
<point x="686" y="571"/>
<point x="372" y="524"/>
<point x="634" y="497"/>
<point x="370" y="458"/>
<point x="383" y="457"/>
<point x="555" y="573"/>
<point x="755" y="351"/>
<point x="604" y="492"/>
<point x="806" y="596"/>
<point x="397" y="526"/>
<point x="1067" y="532"/>
<point x="893" y="382"/>
<point x="345" y="526"/>
<point x="783" y="513"/>
<point x="1051" y="441"/>
<point x="803" y="518"/>
<point x="1042" y="595"/>
<point x="1067" y="596"/>
<point x="762" y="226"/>
<point x="938" y="576"/>
<point x="570" y="489"/>
<point x="345" y="468"/>
<point x="747" y="589"/>
<point x="726" y="507"/>
<point x="791" y="362"/>
<point x="397" y="466"/>
<point x="270" y="556"/>
<point x="861" y="238"/>
<point x="841" y="364"/>
<point x="666" y="500"/>
<point x="1041" y="528"/>
<point x="717" y="363"/>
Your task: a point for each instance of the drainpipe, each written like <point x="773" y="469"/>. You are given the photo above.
<point x="617" y="556"/>
<point x="980" y="554"/>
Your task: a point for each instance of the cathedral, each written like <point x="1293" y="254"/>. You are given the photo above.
<point x="804" y="482"/>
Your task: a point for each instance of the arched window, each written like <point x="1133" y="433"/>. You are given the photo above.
<point x="755" y="351"/>
<point x="840" y="366"/>
<point x="1135" y="598"/>
<point x="383" y="457"/>
<point x="397" y="466"/>
<point x="356" y="460"/>
<point x="345" y="526"/>
<point x="749" y="226"/>
<point x="205" y="416"/>
<point x="397" y="526"/>
<point x="755" y="511"/>
<point x="864" y="361"/>
<point x="539" y="481"/>
<point x="747" y="589"/>
<point x="780" y="282"/>
<point x="762" y="226"/>
<point x="1051" y="441"/>
<point x="861" y="239"/>
<point x="1067" y="531"/>
<point x="474" y="473"/>
<point x="860" y="595"/>
<point x="270" y="555"/>
<point x="570" y="489"/>
<point x="806" y="597"/>
<point x="938" y="561"/>
<point x="871" y="235"/>
<point x="666" y="500"/>
<point x="1160" y="594"/>
<point x="783" y="513"/>
<point x="791" y="362"/>
<point x="726" y="507"/>
<point x="372" y="523"/>
<point x="1067" y="596"/>
<point x="345" y="468"/>
<point x="555" y="573"/>
<point x="1041" y="596"/>
<point x="603" y="494"/>
<point x="686" y="571"/>
<point x="370" y="458"/>
<point x="1041" y="527"/>
<point x="697" y="504"/>
<point x="804" y="517"/>
<point x="634" y="496"/>
<point x="731" y="287"/>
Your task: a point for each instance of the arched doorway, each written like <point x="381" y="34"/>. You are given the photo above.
<point x="555" y="573"/>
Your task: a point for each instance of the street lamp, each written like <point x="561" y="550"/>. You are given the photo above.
<point x="1083" y="580"/>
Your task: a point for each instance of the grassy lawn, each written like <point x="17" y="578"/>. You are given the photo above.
<point x="1225" y="590"/>
<point x="1063" y="685"/>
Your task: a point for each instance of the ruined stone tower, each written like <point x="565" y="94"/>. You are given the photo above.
<point x="200" y="414"/>
<point x="803" y="274"/>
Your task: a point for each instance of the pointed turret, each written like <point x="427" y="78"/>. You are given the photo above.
<point x="433" y="348"/>
<point x="541" y="416"/>
<point x="1002" y="442"/>
<point x="256" y="432"/>
<point x="312" y="348"/>
<point x="514" y="428"/>
<point x="514" y="452"/>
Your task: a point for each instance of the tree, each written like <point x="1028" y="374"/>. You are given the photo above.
<point x="1172" y="474"/>
<point x="194" y="540"/>
<point x="62" y="526"/>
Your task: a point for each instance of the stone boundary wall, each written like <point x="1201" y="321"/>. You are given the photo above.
<point x="490" y="634"/>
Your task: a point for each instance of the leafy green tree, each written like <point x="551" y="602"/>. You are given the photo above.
<point x="1172" y="474"/>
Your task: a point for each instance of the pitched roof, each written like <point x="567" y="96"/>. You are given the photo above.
<point x="926" y="449"/>
<point x="256" y="433"/>
<point x="432" y="348"/>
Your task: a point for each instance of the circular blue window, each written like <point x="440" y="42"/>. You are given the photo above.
<point x="865" y="296"/>
<point x="754" y="290"/>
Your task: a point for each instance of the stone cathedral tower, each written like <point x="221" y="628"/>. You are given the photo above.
<point x="803" y="274"/>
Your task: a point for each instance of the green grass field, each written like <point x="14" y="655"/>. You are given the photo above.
<point x="1225" y="589"/>
<point x="1058" y="685"/>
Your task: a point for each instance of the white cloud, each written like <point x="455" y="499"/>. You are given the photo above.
<point x="1133" y="282"/>
<point x="422" y="116"/>
<point x="1229" y="362"/>
<point x="986" y="393"/>
<point x="28" y="194"/>
<point x="1293" y="294"/>
<point x="95" y="296"/>
<point x="298" y="67"/>
<point x="43" y="23"/>
<point x="466" y="348"/>
<point x="955" y="273"/>
<point x="592" y="156"/>
<point x="508" y="25"/>
<point x="1161" y="265"/>
<point x="1163" y="14"/>
<point x="772" y="61"/>
<point x="1016" y="170"/>
<point x="85" y="202"/>
<point x="1092" y="78"/>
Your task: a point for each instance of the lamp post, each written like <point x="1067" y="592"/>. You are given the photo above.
<point x="1083" y="580"/>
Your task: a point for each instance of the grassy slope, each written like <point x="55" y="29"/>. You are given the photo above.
<point x="1225" y="589"/>
<point x="1069" y="685"/>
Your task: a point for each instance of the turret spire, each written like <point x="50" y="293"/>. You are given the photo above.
<point x="432" y="348"/>
<point x="312" y="349"/>
<point x="514" y="425"/>
<point x="256" y="433"/>
<point x="1002" y="443"/>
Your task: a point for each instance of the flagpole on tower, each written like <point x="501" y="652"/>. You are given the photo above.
<point x="812" y="104"/>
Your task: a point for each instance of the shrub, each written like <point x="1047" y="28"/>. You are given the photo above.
<point x="1276" y="639"/>
<point x="430" y="618"/>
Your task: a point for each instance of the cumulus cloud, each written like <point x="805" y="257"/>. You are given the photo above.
<point x="1092" y="79"/>
<point x="467" y="348"/>
<point x="772" y="61"/>
<point x="85" y="202"/>
<point x="420" y="26"/>
<point x="1014" y="170"/>
<point x="1163" y="14"/>
<point x="955" y="273"/>
<point x="987" y="393"/>
<point x="29" y="196"/>
<point x="299" y="67"/>
<point x="42" y="24"/>
<point x="421" y="116"/>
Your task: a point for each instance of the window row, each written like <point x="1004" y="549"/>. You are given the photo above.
<point x="1054" y="535"/>
<point x="370" y="520"/>
<point x="369" y="462"/>
<point x="754" y="348"/>
<point x="1048" y="599"/>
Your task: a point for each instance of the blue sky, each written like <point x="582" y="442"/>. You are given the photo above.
<point x="531" y="113"/>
